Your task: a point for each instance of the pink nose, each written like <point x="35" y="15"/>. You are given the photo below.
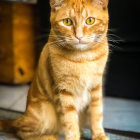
<point x="79" y="37"/>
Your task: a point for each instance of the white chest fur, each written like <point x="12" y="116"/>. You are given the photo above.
<point x="82" y="100"/>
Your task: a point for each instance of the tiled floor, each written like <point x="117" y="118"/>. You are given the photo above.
<point x="119" y="114"/>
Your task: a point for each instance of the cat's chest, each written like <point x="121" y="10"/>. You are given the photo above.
<point x="75" y="74"/>
<point x="78" y="79"/>
<point x="82" y="100"/>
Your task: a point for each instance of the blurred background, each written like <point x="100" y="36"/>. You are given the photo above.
<point x="24" y="29"/>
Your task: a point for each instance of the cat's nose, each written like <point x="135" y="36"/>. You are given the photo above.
<point x="79" y="37"/>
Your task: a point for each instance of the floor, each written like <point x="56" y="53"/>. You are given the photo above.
<point x="6" y="114"/>
<point x="119" y="114"/>
<point x="13" y="97"/>
<point x="5" y="136"/>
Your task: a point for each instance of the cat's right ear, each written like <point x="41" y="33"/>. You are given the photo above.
<point x="55" y="4"/>
<point x="102" y="3"/>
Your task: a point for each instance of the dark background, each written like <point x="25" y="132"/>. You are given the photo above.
<point x="123" y="75"/>
<point x="123" y="69"/>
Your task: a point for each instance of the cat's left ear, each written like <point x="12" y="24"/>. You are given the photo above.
<point x="102" y="3"/>
<point x="56" y="3"/>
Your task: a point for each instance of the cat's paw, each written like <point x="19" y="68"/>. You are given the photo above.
<point x="101" y="137"/>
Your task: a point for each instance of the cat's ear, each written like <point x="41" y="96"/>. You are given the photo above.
<point x="102" y="3"/>
<point x="55" y="4"/>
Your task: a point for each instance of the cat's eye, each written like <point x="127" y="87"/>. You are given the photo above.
<point x="67" y="22"/>
<point x="90" y="21"/>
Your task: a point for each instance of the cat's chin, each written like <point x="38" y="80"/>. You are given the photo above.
<point x="80" y="46"/>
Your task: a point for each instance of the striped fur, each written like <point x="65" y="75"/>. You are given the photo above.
<point x="66" y="91"/>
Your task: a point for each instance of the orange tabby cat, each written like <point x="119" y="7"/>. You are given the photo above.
<point x="67" y="89"/>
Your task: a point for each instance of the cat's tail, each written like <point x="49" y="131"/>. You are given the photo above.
<point x="7" y="126"/>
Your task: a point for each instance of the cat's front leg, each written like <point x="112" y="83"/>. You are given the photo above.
<point x="69" y="116"/>
<point x="96" y="114"/>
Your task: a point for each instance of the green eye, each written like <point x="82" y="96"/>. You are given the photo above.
<point x="90" y="21"/>
<point x="67" y="21"/>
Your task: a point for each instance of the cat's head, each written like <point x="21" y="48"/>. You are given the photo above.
<point x="79" y="24"/>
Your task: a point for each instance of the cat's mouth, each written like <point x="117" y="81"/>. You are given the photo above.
<point x="81" y="42"/>
<point x="80" y="45"/>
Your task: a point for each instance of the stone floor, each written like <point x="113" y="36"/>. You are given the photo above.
<point x="119" y="114"/>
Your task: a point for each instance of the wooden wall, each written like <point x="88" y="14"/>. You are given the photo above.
<point x="17" y="42"/>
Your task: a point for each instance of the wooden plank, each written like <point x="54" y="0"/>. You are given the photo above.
<point x="6" y="50"/>
<point x="17" y="42"/>
<point x="25" y="1"/>
<point x="24" y="43"/>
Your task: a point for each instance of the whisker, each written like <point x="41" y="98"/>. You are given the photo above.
<point x="47" y="35"/>
<point x="53" y="42"/>
<point x="113" y="35"/>
<point x="112" y="30"/>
